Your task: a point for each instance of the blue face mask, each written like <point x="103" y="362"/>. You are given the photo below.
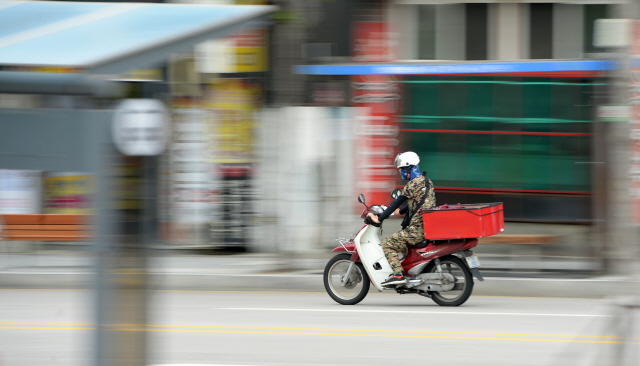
<point x="410" y="173"/>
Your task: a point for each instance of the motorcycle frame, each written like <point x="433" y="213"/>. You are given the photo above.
<point x="366" y="248"/>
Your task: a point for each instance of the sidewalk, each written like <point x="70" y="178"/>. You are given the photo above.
<point x="271" y="272"/>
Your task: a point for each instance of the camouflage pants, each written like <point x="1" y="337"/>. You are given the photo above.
<point x="397" y="243"/>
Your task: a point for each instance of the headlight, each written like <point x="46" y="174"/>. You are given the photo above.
<point x="377" y="209"/>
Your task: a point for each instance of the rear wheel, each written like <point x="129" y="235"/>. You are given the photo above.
<point x="463" y="286"/>
<point x="356" y="286"/>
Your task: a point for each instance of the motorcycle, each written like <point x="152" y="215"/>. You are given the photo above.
<point x="442" y="270"/>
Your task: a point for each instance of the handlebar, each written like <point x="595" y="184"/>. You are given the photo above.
<point x="368" y="221"/>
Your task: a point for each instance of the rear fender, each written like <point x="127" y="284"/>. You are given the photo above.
<point x="470" y="243"/>
<point x="474" y="271"/>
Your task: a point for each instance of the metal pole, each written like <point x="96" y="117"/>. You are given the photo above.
<point x="618" y="220"/>
<point x="102" y="253"/>
<point x="623" y="251"/>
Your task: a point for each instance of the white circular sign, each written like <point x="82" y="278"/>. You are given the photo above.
<point x="140" y="127"/>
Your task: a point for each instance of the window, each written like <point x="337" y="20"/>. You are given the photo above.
<point x="541" y="30"/>
<point x="476" y="32"/>
<point x="427" y="32"/>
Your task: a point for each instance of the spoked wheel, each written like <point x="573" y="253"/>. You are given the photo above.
<point x="356" y="286"/>
<point x="463" y="286"/>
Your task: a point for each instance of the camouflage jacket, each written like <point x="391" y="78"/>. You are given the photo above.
<point x="414" y="191"/>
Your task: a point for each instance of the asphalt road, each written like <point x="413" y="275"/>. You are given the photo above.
<point x="54" y="327"/>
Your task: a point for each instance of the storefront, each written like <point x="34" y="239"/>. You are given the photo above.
<point x="520" y="133"/>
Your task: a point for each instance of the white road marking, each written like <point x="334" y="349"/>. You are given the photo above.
<point x="416" y="312"/>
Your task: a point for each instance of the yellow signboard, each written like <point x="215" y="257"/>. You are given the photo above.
<point x="251" y="50"/>
<point x="233" y="103"/>
<point x="68" y="194"/>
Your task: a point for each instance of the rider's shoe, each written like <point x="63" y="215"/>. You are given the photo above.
<point x="394" y="280"/>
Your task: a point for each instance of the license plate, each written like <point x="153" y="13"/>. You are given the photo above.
<point x="473" y="262"/>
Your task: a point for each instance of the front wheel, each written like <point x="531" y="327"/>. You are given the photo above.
<point x="463" y="286"/>
<point x="346" y="291"/>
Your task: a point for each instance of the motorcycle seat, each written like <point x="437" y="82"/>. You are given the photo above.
<point x="421" y="244"/>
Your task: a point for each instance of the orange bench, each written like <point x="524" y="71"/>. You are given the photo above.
<point x="535" y="239"/>
<point x="45" y="227"/>
<point x="533" y="242"/>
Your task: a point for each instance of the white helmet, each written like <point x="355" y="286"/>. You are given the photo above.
<point x="405" y="159"/>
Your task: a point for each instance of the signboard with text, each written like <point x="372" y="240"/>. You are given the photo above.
<point x="377" y="130"/>
<point x="372" y="42"/>
<point x="20" y="191"/>
<point x="244" y="51"/>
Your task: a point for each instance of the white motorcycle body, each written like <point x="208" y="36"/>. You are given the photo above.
<point x="369" y="246"/>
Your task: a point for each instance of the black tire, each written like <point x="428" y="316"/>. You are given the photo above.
<point x="464" y="281"/>
<point x="356" y="288"/>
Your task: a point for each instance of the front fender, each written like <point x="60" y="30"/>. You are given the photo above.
<point x="349" y="248"/>
<point x="346" y="247"/>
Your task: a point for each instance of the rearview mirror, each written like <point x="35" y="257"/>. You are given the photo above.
<point x="396" y="193"/>
<point x="361" y="199"/>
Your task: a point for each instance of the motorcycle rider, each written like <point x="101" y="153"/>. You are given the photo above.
<point x="419" y="194"/>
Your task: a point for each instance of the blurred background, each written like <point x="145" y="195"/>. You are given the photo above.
<point x="275" y="130"/>
<point x="272" y="131"/>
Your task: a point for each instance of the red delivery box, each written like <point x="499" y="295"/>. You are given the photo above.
<point x="463" y="221"/>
